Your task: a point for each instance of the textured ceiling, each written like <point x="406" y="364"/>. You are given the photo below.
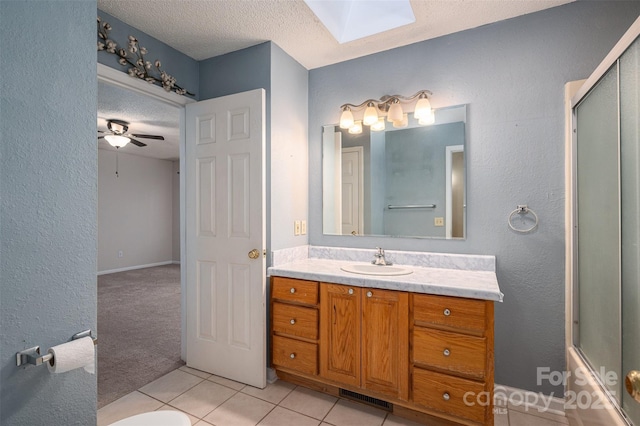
<point x="203" y="29"/>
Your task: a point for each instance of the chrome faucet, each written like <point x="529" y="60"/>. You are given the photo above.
<point x="379" y="258"/>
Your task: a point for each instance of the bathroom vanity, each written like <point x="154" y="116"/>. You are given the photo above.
<point x="419" y="344"/>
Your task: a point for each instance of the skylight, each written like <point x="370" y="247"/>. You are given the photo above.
<point x="349" y="20"/>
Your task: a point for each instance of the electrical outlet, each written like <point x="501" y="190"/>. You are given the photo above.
<point x="303" y="227"/>
<point x="120" y="253"/>
<point x="438" y="221"/>
<point x="296" y="227"/>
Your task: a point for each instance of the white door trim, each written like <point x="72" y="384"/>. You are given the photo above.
<point x="360" y="151"/>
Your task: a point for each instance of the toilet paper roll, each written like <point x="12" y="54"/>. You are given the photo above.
<point x="71" y="355"/>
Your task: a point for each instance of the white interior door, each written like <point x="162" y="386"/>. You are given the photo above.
<point x="225" y="215"/>
<point x="352" y="190"/>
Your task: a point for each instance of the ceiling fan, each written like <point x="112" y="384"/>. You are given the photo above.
<point x="118" y="137"/>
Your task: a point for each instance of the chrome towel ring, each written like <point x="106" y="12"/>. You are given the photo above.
<point x="522" y="209"/>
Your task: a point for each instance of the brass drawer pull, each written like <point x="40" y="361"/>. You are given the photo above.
<point x="447" y="312"/>
<point x="292" y="356"/>
<point x="293" y="321"/>
<point x="446" y="352"/>
<point x="293" y="290"/>
<point x="446" y="396"/>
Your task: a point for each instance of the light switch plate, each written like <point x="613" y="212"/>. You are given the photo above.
<point x="303" y="227"/>
<point x="296" y="227"/>
<point x="438" y="221"/>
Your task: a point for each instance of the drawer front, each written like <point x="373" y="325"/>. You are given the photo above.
<point x="295" y="290"/>
<point x="464" y="314"/>
<point x="454" y="352"/>
<point x="295" y="320"/>
<point x="296" y="355"/>
<point x="452" y="395"/>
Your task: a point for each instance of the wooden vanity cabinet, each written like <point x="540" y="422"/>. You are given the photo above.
<point x="364" y="338"/>
<point x="430" y="356"/>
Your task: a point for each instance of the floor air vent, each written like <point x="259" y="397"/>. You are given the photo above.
<point x="374" y="402"/>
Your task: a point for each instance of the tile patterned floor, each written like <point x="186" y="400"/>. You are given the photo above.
<point x="212" y="400"/>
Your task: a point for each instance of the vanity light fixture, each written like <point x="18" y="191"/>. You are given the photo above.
<point x="391" y="106"/>
<point x="356" y="129"/>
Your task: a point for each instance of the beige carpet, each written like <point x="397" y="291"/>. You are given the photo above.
<point x="138" y="329"/>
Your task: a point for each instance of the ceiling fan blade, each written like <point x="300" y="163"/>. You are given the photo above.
<point x="137" y="143"/>
<point x="160" y="138"/>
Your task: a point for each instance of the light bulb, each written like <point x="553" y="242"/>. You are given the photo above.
<point x="356" y="128"/>
<point x="370" y="115"/>
<point x="395" y="112"/>
<point x="117" y="140"/>
<point x="398" y="124"/>
<point x="379" y="125"/>
<point x="346" y="119"/>
<point x="427" y="120"/>
<point x="423" y="108"/>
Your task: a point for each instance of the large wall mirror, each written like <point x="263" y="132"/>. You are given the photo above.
<point x="407" y="182"/>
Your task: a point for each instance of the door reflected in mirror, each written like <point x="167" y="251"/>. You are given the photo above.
<point x="407" y="182"/>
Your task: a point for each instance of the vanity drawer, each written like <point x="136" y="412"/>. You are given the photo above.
<point x="454" y="352"/>
<point x="446" y="394"/>
<point x="295" y="290"/>
<point x="296" y="355"/>
<point x="295" y="320"/>
<point x="464" y="314"/>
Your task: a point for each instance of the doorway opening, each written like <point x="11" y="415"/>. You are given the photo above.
<point x="139" y="239"/>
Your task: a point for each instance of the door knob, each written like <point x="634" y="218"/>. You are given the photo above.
<point x="254" y="254"/>
<point x="632" y="383"/>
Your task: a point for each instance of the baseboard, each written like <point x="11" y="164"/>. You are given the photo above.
<point x="527" y="401"/>
<point x="175" y="262"/>
<point x="131" y="268"/>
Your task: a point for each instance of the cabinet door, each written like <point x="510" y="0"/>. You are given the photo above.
<point x="385" y="342"/>
<point x="340" y="333"/>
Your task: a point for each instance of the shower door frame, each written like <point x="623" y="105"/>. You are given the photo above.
<point x="572" y="277"/>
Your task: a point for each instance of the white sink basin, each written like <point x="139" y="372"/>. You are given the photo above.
<point x="365" y="269"/>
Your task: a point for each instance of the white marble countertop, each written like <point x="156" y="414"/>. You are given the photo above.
<point x="447" y="282"/>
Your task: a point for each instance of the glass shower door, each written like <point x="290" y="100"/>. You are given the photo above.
<point x="630" y="218"/>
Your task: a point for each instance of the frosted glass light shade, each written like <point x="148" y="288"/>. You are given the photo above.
<point x="379" y="125"/>
<point x="356" y="128"/>
<point x="398" y="124"/>
<point x="370" y="115"/>
<point x="427" y="120"/>
<point x="395" y="112"/>
<point x="117" y="140"/>
<point x="423" y="109"/>
<point x="346" y="119"/>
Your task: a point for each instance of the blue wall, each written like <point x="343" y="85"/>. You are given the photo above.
<point x="48" y="181"/>
<point x="512" y="75"/>
<point x="182" y="67"/>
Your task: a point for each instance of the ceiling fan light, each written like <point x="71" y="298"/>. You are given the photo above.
<point x="117" y="141"/>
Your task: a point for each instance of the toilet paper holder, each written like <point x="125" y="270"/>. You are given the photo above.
<point x="32" y="355"/>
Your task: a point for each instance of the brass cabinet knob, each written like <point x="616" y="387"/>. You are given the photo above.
<point x="293" y="321"/>
<point x="446" y="352"/>
<point x="254" y="254"/>
<point x="350" y="291"/>
<point x="369" y="294"/>
<point x="292" y="356"/>
<point x="446" y="396"/>
<point x="292" y="291"/>
<point x="447" y="312"/>
<point x="632" y="383"/>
